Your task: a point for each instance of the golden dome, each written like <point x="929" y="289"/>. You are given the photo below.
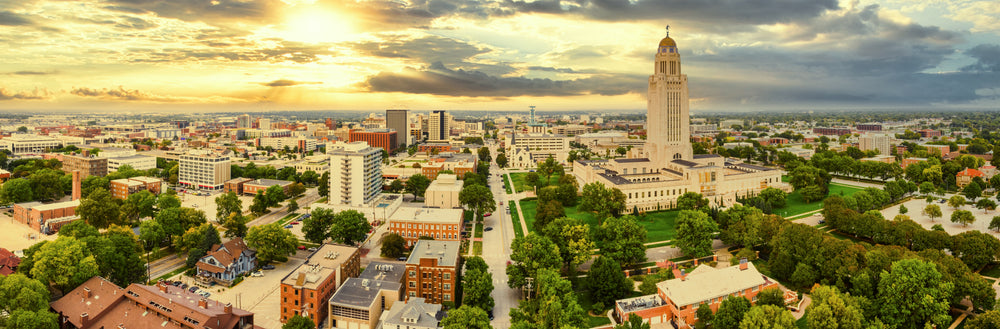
<point x="668" y="42"/>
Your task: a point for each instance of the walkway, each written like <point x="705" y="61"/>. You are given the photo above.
<point x="516" y="199"/>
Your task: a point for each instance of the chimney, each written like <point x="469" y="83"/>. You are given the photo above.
<point x="86" y="293"/>
<point x="683" y="276"/>
<point x="203" y="303"/>
<point x="84" y="318"/>
<point x="86" y="153"/>
<point x="228" y="308"/>
<point x="76" y="185"/>
<point x="743" y="264"/>
<point x="162" y="286"/>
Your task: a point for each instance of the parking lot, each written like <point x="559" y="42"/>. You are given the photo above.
<point x="206" y="202"/>
<point x="15" y="236"/>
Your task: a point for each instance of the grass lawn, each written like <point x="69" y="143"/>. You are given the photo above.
<point x="506" y="184"/>
<point x="288" y="218"/>
<point x="583" y="298"/>
<point x="660" y="226"/>
<point x="991" y="271"/>
<point x="477" y="248"/>
<point x="518" y="232"/>
<point x="795" y="206"/>
<point x="803" y="323"/>
<point x="517" y="179"/>
<point x="479" y="231"/>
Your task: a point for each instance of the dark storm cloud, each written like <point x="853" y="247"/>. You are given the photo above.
<point x="718" y="12"/>
<point x="440" y="80"/>
<point x="200" y="10"/>
<point x="288" y="83"/>
<point x="987" y="58"/>
<point x="37" y="94"/>
<point x="12" y="19"/>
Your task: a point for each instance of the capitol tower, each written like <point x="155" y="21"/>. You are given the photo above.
<point x="667" y="119"/>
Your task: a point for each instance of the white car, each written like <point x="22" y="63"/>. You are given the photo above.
<point x="257" y="273"/>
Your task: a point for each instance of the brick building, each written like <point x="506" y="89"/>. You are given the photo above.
<point x="306" y="290"/>
<point x="440" y="147"/>
<point x="869" y="126"/>
<point x="99" y="303"/>
<point x="831" y="131"/>
<point x="235" y="185"/>
<point x="360" y="301"/>
<point x="87" y="165"/>
<point x="122" y="188"/>
<point x="412" y="223"/>
<point x="381" y="138"/>
<point x="432" y="271"/>
<point x="252" y="187"/>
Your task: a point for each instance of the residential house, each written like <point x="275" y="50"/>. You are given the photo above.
<point x="225" y="262"/>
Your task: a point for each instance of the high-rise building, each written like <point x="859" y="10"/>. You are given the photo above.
<point x="330" y="124"/>
<point x="438" y="126"/>
<point x="243" y="121"/>
<point x="355" y="173"/>
<point x="878" y="142"/>
<point x="264" y="123"/>
<point x="668" y="136"/>
<point x="203" y="170"/>
<point x="397" y="120"/>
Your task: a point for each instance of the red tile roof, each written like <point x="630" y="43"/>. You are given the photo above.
<point x="970" y="172"/>
<point x="8" y="262"/>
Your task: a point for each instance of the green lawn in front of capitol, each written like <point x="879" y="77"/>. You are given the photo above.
<point x="794" y="205"/>
<point x="660" y="225"/>
<point x="519" y="185"/>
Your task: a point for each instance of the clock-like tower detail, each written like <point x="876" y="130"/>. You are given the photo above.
<point x="668" y="121"/>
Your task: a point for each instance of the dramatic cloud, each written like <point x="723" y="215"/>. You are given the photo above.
<point x="11" y="19"/>
<point x="987" y="59"/>
<point x="201" y="10"/>
<point x="439" y="80"/>
<point x="30" y="73"/>
<point x="286" y="51"/>
<point x="719" y="12"/>
<point x="288" y="83"/>
<point x="122" y="94"/>
<point x="37" y="94"/>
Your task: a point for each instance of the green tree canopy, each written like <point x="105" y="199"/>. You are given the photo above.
<point x="316" y="227"/>
<point x="731" y="312"/>
<point x="99" y="209"/>
<point x="606" y="202"/>
<point x="607" y="282"/>
<point x="349" y="227"/>
<point x="299" y="322"/>
<point x="529" y="254"/>
<point x="477" y="198"/>
<point x="768" y="317"/>
<point x="694" y="233"/>
<point x="466" y="317"/>
<point x="911" y="294"/>
<point x="572" y="236"/>
<point x="393" y="245"/>
<point x="417" y="185"/>
<point x="227" y="204"/>
<point x="692" y="201"/>
<point x="477" y="284"/>
<point x="64" y="263"/>
<point x="272" y="242"/>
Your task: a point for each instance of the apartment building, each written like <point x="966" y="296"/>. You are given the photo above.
<point x="306" y="290"/>
<point x="540" y="142"/>
<point x="204" y="170"/>
<point x="243" y="121"/>
<point x="279" y="143"/>
<point x="441" y="224"/>
<point x="381" y="138"/>
<point x="99" y="303"/>
<point x="443" y="192"/>
<point x="458" y="163"/>
<point x="355" y="173"/>
<point x="137" y="162"/>
<point x="359" y="302"/>
<point x="122" y="188"/>
<point x="19" y="144"/>
<point x="432" y="271"/>
<point x="438" y="126"/>
<point x="398" y="121"/>
<point x="87" y="165"/>
<point x="876" y="142"/>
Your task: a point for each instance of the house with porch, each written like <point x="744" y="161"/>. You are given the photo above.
<point x="225" y="262"/>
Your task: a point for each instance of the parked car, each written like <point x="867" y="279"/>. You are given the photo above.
<point x="267" y="267"/>
<point x="295" y="223"/>
<point x="193" y="289"/>
<point x="501" y="203"/>
<point x="257" y="273"/>
<point x="488" y="214"/>
<point x="302" y="247"/>
<point x="184" y="286"/>
<point x="822" y="221"/>
<point x="288" y="226"/>
<point x="313" y="249"/>
<point x="488" y="228"/>
<point x="177" y="283"/>
<point x="401" y="258"/>
<point x="205" y="294"/>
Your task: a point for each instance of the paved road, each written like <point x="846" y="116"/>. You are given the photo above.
<point x="496" y="250"/>
<point x="164" y="265"/>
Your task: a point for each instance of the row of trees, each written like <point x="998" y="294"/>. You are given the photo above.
<point x="347" y="227"/>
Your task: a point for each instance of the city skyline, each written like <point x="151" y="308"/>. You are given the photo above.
<point x="493" y="55"/>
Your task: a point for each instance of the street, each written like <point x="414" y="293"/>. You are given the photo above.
<point x="496" y="249"/>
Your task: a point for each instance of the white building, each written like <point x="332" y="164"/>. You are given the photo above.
<point x="438" y="126"/>
<point x="526" y="150"/>
<point x="443" y="192"/>
<point x="163" y="133"/>
<point x="243" y="121"/>
<point x="279" y="143"/>
<point x="877" y="142"/>
<point x="137" y="162"/>
<point x="670" y="169"/>
<point x="264" y="123"/>
<point x="266" y="133"/>
<point x="204" y="170"/>
<point x="28" y="144"/>
<point x="355" y="173"/>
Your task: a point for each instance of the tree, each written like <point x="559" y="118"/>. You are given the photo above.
<point x="41" y="319"/>
<point x="566" y="192"/>
<point x="812" y="193"/>
<point x="533" y="180"/>
<point x="530" y="253"/>
<point x="477" y="284"/>
<point x="324" y="185"/>
<point x="293" y="205"/>
<point x="832" y="309"/>
<point x="691" y="201"/>
<point x="546" y="213"/>
<point x="118" y="256"/>
<point x="64" y="263"/>
<point x="167" y="201"/>
<point x="296" y="189"/>
<point x="235" y="225"/>
<point x="741" y="226"/>
<point x="995" y="223"/>
<point x="694" y="233"/>
<point x="963" y="217"/>
<point x="636" y="322"/>
<point x="607" y="281"/>
<point x="19" y="292"/>
<point x="316" y="227"/>
<point x="972" y="191"/>
<point x="731" y="312"/>
<point x="151" y="233"/>
<point x="553" y="306"/>
<point x="956" y="201"/>
<point x="417" y="185"/>
<point x="349" y="227"/>
<point x="623" y="240"/>
<point x="809" y="176"/>
<point x="768" y="317"/>
<point x="78" y="229"/>
<point x="396" y="186"/>
<point x="275" y="195"/>
<point x="501" y="160"/>
<point x="393" y="245"/>
<point x="45" y="184"/>
<point x="987" y="320"/>
<point x="260" y="204"/>
<point x="912" y="293"/>
<point x="299" y="322"/>
<point x="99" y="209"/>
<point x="974" y="248"/>
<point x="903" y="210"/>
<point x="771" y="296"/>
<point x="227" y="204"/>
<point x="572" y="236"/>
<point x="606" y="202"/>
<point x="477" y="198"/>
<point x="467" y="317"/>
<point x="139" y="205"/>
<point x="986" y="205"/>
<point x="195" y="238"/>
<point x="272" y="242"/>
<point x="16" y="190"/>
<point x="933" y="211"/>
<point x="773" y="197"/>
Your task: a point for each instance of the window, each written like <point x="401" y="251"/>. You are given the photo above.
<point x="413" y="274"/>
<point x="447" y="286"/>
<point x="447" y="276"/>
<point x="413" y="284"/>
<point x="413" y="294"/>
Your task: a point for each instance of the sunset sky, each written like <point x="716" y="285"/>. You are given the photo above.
<point x="242" y="55"/>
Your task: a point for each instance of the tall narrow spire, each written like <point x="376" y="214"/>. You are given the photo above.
<point x="668" y="31"/>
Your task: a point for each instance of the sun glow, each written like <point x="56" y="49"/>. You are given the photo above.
<point x="316" y="26"/>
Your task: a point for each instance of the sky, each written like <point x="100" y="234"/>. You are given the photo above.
<point x="502" y="55"/>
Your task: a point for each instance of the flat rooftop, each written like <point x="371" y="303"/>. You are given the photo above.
<point x="363" y="290"/>
<point x="320" y="265"/>
<point x="270" y="182"/>
<point x="445" y="251"/>
<point x="427" y="215"/>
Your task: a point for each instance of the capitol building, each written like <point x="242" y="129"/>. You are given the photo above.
<point x="669" y="169"/>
